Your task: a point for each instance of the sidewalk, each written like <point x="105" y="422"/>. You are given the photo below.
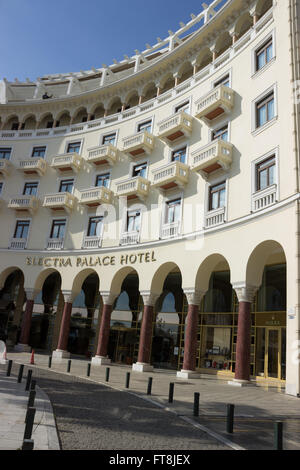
<point x="257" y="407"/>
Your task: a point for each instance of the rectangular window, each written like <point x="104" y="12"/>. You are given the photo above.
<point x="265" y="110"/>
<point x="183" y="108"/>
<point x="95" y="227"/>
<point x="109" y="139"/>
<point x="179" y="155"/>
<point x="30" y="189"/>
<point x="221" y="133"/>
<point x="145" y="126"/>
<point x="133" y="221"/>
<point x="265" y="173"/>
<point x="21" y="230"/>
<point x="264" y="55"/>
<point x="173" y="213"/>
<point x="74" y="147"/>
<point x="66" y="186"/>
<point x="140" y="170"/>
<point x="5" y="152"/>
<point x="102" y="180"/>
<point x="38" y="152"/>
<point x="223" y="81"/>
<point x="217" y="196"/>
<point x="58" y="229"/>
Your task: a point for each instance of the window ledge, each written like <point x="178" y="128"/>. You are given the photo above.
<point x="257" y="73"/>
<point x="268" y="124"/>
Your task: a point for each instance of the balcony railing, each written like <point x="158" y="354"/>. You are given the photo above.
<point x="105" y="154"/>
<point x="96" y="196"/>
<point x="264" y="198"/>
<point x="91" y="242"/>
<point x="215" y="155"/>
<point x="175" y="127"/>
<point x="24" y="203"/>
<point x="18" y="243"/>
<point x="138" y="144"/>
<point x="129" y="238"/>
<point x="5" y="167"/>
<point x="136" y="187"/>
<point x="216" y="102"/>
<point x="170" y="230"/>
<point x="67" y="162"/>
<point x="215" y="217"/>
<point x="171" y="175"/>
<point x="34" y="165"/>
<point x="55" y="244"/>
<point x="60" y="201"/>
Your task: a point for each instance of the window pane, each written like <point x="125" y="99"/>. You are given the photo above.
<point x="5" y="153"/>
<point x="272" y="175"/>
<point x="261" y="60"/>
<point x="103" y="180"/>
<point x="262" y="115"/>
<point x="109" y="139"/>
<point x="271" y="109"/>
<point x="269" y="52"/>
<point x="38" y="152"/>
<point x="263" y="179"/>
<point x="74" y="147"/>
<point x="222" y="198"/>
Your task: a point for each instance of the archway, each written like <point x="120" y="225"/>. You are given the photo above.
<point x="12" y="299"/>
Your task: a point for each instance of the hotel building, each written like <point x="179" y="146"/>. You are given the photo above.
<point x="150" y="208"/>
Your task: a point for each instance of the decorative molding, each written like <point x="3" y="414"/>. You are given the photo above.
<point x="245" y="292"/>
<point x="108" y="297"/>
<point x="194" y="296"/>
<point x="149" y="298"/>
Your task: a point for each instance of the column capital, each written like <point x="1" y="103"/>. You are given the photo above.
<point x="108" y="297"/>
<point x="69" y="296"/>
<point x="245" y="292"/>
<point x="149" y="298"/>
<point x="194" y="296"/>
<point x="31" y="293"/>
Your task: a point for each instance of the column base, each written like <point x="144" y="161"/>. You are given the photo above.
<point x="187" y="374"/>
<point x="142" y="367"/>
<point x="22" y="347"/>
<point x="58" y="355"/>
<point x="100" y="361"/>
<point x="239" y="383"/>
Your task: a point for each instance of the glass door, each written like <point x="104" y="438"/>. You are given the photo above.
<point x="273" y="354"/>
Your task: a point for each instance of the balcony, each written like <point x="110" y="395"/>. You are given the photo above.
<point x="55" y="244"/>
<point x="5" y="167"/>
<point x="218" y="101"/>
<point x="106" y="154"/>
<point x="215" y="155"/>
<point x="175" y="174"/>
<point x="24" y="203"/>
<point x="18" y="243"/>
<point x="138" y="144"/>
<point x="215" y="217"/>
<point x="170" y="230"/>
<point x="91" y="242"/>
<point x="33" y="166"/>
<point x="60" y="201"/>
<point x="67" y="162"/>
<point x="175" y="127"/>
<point x="129" y="238"/>
<point x="264" y="198"/>
<point x="133" y="188"/>
<point x="96" y="196"/>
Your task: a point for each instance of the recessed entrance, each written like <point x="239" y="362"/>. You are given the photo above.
<point x="270" y="353"/>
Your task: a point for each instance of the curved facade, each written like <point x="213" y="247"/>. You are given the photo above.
<point x="150" y="208"/>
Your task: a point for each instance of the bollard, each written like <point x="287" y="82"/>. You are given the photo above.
<point x="171" y="392"/>
<point x="50" y="362"/>
<point x="32" y="386"/>
<point x="28" y="444"/>
<point x="29" y="423"/>
<point x="88" y="372"/>
<point x="196" y="403"/>
<point x="127" y="379"/>
<point x="69" y="365"/>
<point x="278" y="435"/>
<point x="149" y="388"/>
<point x="20" y="375"/>
<point x="230" y="418"/>
<point x="29" y="375"/>
<point x="31" y="399"/>
<point x="9" y="366"/>
<point x="107" y="374"/>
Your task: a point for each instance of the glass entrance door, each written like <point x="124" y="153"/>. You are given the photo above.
<point x="273" y="361"/>
<point x="271" y="352"/>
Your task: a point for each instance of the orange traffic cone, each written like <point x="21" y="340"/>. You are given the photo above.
<point x="32" y="357"/>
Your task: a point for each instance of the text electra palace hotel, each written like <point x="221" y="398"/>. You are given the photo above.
<point x="150" y="208"/>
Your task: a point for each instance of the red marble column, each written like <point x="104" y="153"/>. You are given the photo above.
<point x="104" y="331"/>
<point x="65" y="327"/>
<point x="243" y="346"/>
<point x="146" y="335"/>
<point x="190" y="340"/>
<point x="26" y="322"/>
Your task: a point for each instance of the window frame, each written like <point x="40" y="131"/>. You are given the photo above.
<point x="187" y="102"/>
<point x="57" y="219"/>
<point x="210" y="193"/>
<point x="61" y="180"/>
<point x="16" y="226"/>
<point x="70" y="142"/>
<point x="30" y="183"/>
<point x="10" y="154"/>
<point x="104" y="173"/>
<point x="108" y="134"/>
<point x="219" y="81"/>
<point x="89" y="225"/>
<point x="38" y="146"/>
<point x="259" y="99"/>
<point x="270" y="37"/>
<point x="274" y="152"/>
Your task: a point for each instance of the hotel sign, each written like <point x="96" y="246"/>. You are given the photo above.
<point x="92" y="261"/>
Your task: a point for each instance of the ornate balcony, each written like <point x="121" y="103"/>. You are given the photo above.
<point x="129" y="238"/>
<point x="215" y="155"/>
<point x="218" y="101"/>
<point x="24" y="203"/>
<point x="175" y="127"/>
<point x="103" y="155"/>
<point x="96" y="196"/>
<point x="170" y="230"/>
<point x="264" y="198"/>
<point x="138" y="144"/>
<point x="91" y="242"/>
<point x="67" y="162"/>
<point x="215" y="217"/>
<point x="18" y="243"/>
<point x="60" y="201"/>
<point x="170" y="176"/>
<point x="136" y="187"/>
<point x="5" y="167"/>
<point x="55" y="244"/>
<point x="33" y="166"/>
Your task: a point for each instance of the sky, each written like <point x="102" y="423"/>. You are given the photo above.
<point x="40" y="37"/>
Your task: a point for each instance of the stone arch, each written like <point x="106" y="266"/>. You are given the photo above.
<point x="149" y="91"/>
<point x="79" y="115"/>
<point x="29" y="121"/>
<point x="97" y="111"/>
<point x="64" y="118"/>
<point x="114" y="106"/>
<point x="166" y="82"/>
<point x="132" y="99"/>
<point x="262" y="254"/>
<point x="160" y="275"/>
<point x="6" y="272"/>
<point x="80" y="278"/>
<point x="204" y="58"/>
<point x="223" y="43"/>
<point x="11" y="123"/>
<point x="41" y="278"/>
<point x="185" y="71"/>
<point x="119" y="277"/>
<point x="212" y="263"/>
<point x="243" y="24"/>
<point x="262" y="6"/>
<point x="46" y="121"/>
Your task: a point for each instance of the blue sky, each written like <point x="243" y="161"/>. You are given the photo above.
<point x="40" y="37"/>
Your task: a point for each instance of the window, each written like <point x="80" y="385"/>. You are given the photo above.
<point x="5" y="152"/>
<point x="225" y="81"/>
<point x="102" y="180"/>
<point x="145" y="126"/>
<point x="133" y="221"/>
<point x="58" y="229"/>
<point x="109" y="139"/>
<point x="95" y="227"/>
<point x="15" y="126"/>
<point x="183" y="108"/>
<point x="66" y="186"/>
<point x="217" y="196"/>
<point x="30" y="189"/>
<point x="265" y="110"/>
<point x="49" y="124"/>
<point x="265" y="173"/>
<point x="1" y="187"/>
<point x="173" y="212"/>
<point x="21" y="230"/>
<point x="221" y="133"/>
<point x="264" y="54"/>
<point x="140" y="170"/>
<point x="38" y="152"/>
<point x="179" y="155"/>
<point x="74" y="147"/>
